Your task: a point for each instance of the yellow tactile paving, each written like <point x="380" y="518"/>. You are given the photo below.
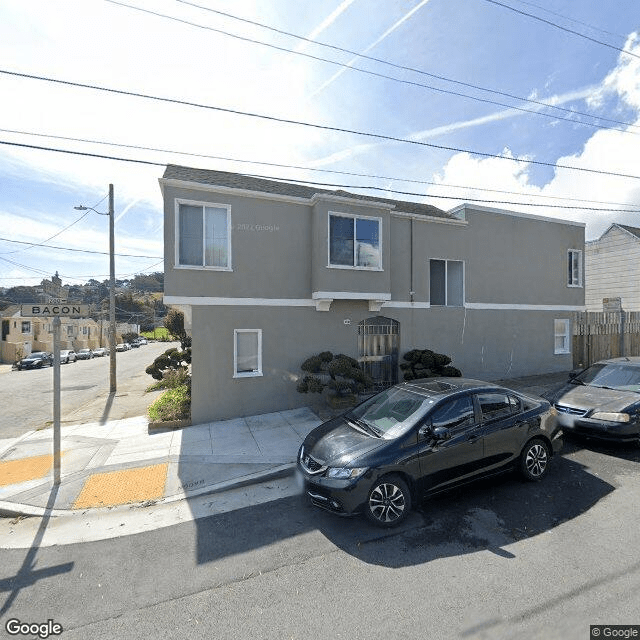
<point x="25" y="469"/>
<point x="120" y="487"/>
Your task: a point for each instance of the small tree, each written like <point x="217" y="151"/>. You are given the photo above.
<point x="173" y="359"/>
<point x="424" y="363"/>
<point x="341" y="374"/>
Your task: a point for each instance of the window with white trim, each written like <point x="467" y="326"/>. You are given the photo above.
<point x="446" y="280"/>
<point x="354" y="241"/>
<point x="26" y="326"/>
<point x="574" y="268"/>
<point x="203" y="236"/>
<point x="247" y="353"/>
<point x="562" y="336"/>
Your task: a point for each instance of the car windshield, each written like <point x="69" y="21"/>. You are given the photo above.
<point x="37" y="354"/>
<point x="392" y="412"/>
<point x="613" y="376"/>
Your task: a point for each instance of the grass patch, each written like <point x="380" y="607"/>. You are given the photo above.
<point x="174" y="404"/>
<point x="161" y="333"/>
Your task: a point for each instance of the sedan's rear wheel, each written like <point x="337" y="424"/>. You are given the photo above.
<point x="534" y="460"/>
<point x="389" y="502"/>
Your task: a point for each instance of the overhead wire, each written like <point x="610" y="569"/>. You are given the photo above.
<point x="385" y="76"/>
<point x="305" y="168"/>
<point x="344" y="186"/>
<point x="291" y="121"/>
<point x="385" y="62"/>
<point x="558" y="26"/>
<point x="104" y="253"/>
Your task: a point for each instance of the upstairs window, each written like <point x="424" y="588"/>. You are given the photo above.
<point x="446" y="278"/>
<point x="203" y="236"/>
<point x="354" y="242"/>
<point x="574" y="264"/>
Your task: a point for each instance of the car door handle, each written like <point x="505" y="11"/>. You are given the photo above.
<point x="473" y="438"/>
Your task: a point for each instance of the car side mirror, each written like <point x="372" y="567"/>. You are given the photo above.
<point x="441" y="433"/>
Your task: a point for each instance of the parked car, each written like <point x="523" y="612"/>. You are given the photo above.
<point x="142" y="340"/>
<point x="84" y="354"/>
<point x="602" y="401"/>
<point x="67" y="355"/>
<point x="99" y="352"/>
<point x="422" y="437"/>
<point x="134" y="344"/>
<point x="121" y="347"/>
<point x="37" y="360"/>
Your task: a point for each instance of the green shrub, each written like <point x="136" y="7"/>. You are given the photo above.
<point x="171" y="379"/>
<point x="424" y="363"/>
<point x="174" y="404"/>
<point x="341" y="373"/>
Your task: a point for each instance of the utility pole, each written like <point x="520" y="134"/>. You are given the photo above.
<point x="112" y="297"/>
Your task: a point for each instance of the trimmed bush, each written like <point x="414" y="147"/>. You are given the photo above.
<point x="424" y="363"/>
<point x="341" y="374"/>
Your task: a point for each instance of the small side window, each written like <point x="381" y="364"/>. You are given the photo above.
<point x="494" y="406"/>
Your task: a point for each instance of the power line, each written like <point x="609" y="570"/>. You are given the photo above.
<point x="104" y="253"/>
<point x="302" y="168"/>
<point x="381" y="61"/>
<point x="312" y="125"/>
<point x="343" y="186"/>
<point x="557" y="26"/>
<point x="382" y="75"/>
<point x="560" y="15"/>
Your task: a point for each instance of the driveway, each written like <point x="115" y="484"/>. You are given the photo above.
<point x="84" y="391"/>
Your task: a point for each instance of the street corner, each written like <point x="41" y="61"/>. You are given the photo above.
<point x="126" y="486"/>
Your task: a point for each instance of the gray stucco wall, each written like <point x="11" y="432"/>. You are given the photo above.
<point x="484" y="344"/>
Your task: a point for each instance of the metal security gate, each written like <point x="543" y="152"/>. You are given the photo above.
<point x="378" y="343"/>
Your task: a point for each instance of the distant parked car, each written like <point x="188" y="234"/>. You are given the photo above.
<point x="603" y="401"/>
<point x="142" y="340"/>
<point x="84" y="354"/>
<point x="121" y="347"/>
<point x="99" y="353"/>
<point x="37" y="360"/>
<point x="423" y="437"/>
<point x="134" y="345"/>
<point x="67" y="355"/>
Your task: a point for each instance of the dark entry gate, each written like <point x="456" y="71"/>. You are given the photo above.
<point x="378" y="344"/>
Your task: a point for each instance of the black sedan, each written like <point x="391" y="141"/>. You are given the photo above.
<point x="422" y="437"/>
<point x="603" y="401"/>
<point x="36" y="360"/>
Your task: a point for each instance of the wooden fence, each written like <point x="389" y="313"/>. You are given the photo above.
<point x="597" y="336"/>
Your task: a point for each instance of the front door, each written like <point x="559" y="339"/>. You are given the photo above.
<point x="378" y="343"/>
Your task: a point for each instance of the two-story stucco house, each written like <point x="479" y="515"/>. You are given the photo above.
<point x="612" y="268"/>
<point x="275" y="272"/>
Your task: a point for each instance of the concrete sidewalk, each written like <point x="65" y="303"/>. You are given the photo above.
<point x="122" y="462"/>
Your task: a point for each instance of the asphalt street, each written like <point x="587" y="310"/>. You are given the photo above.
<point x="28" y="395"/>
<point x="499" y="559"/>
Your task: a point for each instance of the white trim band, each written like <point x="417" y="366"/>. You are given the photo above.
<point x="522" y="307"/>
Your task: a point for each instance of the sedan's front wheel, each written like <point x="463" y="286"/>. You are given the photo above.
<point x="534" y="460"/>
<point x="389" y="502"/>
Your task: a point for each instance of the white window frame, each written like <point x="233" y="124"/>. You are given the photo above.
<point x="203" y="204"/>
<point x="446" y="283"/>
<point x="246" y="374"/>
<point x="27" y="324"/>
<point x="565" y="334"/>
<point x="354" y="217"/>
<point x="570" y="253"/>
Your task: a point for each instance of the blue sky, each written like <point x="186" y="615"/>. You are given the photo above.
<point x="475" y="42"/>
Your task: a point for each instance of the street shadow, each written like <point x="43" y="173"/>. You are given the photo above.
<point x="622" y="450"/>
<point x="107" y="408"/>
<point x="488" y="515"/>
<point x="27" y="575"/>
